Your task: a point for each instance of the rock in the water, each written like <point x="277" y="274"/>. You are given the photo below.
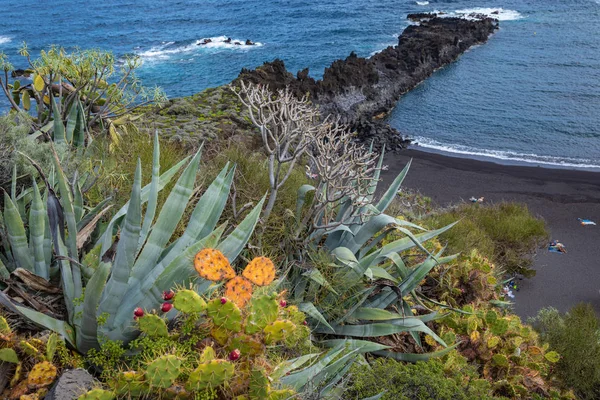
<point x="359" y="89"/>
<point x="71" y="384"/>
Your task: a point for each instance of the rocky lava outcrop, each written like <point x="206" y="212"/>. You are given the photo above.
<point x="361" y="91"/>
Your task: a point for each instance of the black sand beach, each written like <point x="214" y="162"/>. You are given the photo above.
<point x="559" y="196"/>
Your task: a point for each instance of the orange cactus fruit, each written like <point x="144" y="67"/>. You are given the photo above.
<point x="239" y="290"/>
<point x="260" y="271"/>
<point x="211" y="264"/>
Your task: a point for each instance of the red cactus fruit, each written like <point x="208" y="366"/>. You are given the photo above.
<point x="305" y="323"/>
<point x="234" y="355"/>
<point x="166" y="307"/>
<point x="138" y="312"/>
<point x="168" y="295"/>
<point x="223" y="300"/>
<point x="283" y="303"/>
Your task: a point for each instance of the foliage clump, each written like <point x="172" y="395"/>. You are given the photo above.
<point x="507" y="233"/>
<point x="420" y="381"/>
<point x="575" y="336"/>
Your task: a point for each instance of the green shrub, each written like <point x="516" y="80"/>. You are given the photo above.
<point x="506" y="232"/>
<point x="420" y="381"/>
<point x="14" y="138"/>
<point x="576" y="337"/>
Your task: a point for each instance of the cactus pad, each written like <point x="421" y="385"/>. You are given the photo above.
<point x="9" y="355"/>
<point x="260" y="271"/>
<point x="177" y="392"/>
<point x="153" y="326"/>
<point x="188" y="301"/>
<point x="263" y="311"/>
<point x="210" y="375"/>
<point x="211" y="264"/>
<point x="4" y="327"/>
<point x="220" y="335"/>
<point x="259" y="385"/>
<point x="225" y="315"/>
<point x="97" y="394"/>
<point x="277" y="330"/>
<point x="42" y="374"/>
<point x="239" y="290"/>
<point x="51" y="346"/>
<point x="130" y="383"/>
<point x="248" y="345"/>
<point x="208" y="354"/>
<point x="163" y="371"/>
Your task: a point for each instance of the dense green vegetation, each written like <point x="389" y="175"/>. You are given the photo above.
<point x="575" y="336"/>
<point x="506" y="232"/>
<point x="152" y="255"/>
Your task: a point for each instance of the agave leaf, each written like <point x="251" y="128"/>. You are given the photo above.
<point x="67" y="206"/>
<point x="364" y="295"/>
<point x="418" y="273"/>
<point x="153" y="192"/>
<point x="363" y="346"/>
<point x="87" y="331"/>
<point x="373" y="226"/>
<point x="117" y="285"/>
<point x="85" y="232"/>
<point x="59" y="128"/>
<point x="17" y="237"/>
<point x="315" y="275"/>
<point x="37" y="230"/>
<point x="290" y="365"/>
<point x="311" y="310"/>
<point x="302" y="192"/>
<point x="79" y="131"/>
<point x="165" y="178"/>
<point x="206" y="214"/>
<point x="411" y="357"/>
<point x="389" y="194"/>
<point x="77" y="199"/>
<point x="71" y="122"/>
<point x="333" y="373"/>
<point x="167" y="221"/>
<point x="299" y="379"/>
<point x="235" y="242"/>
<point x="378" y="272"/>
<point x="43" y="320"/>
<point x="3" y="270"/>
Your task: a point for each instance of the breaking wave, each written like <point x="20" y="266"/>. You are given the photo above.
<point x="508" y="156"/>
<point x="166" y="50"/>
<point x="5" y="39"/>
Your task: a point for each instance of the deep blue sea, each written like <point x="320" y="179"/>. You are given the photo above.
<point x="532" y="93"/>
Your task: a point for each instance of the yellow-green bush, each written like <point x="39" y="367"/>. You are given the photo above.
<point x="507" y="233"/>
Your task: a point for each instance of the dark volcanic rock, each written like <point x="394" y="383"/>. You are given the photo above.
<point x="420" y="16"/>
<point x="71" y="384"/>
<point x="358" y="89"/>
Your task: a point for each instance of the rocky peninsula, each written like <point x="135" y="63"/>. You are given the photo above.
<point x="361" y="91"/>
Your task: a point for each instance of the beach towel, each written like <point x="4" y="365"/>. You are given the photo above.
<point x="476" y="200"/>
<point x="557" y="247"/>
<point x="586" y="221"/>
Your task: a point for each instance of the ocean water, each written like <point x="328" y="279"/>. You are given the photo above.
<point x="531" y="93"/>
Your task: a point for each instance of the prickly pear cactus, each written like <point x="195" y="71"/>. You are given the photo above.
<point x="248" y="345"/>
<point x="9" y="355"/>
<point x="5" y="331"/>
<point x="51" y="346"/>
<point x="260" y="271"/>
<point x="42" y="374"/>
<point x="153" y="326"/>
<point x="208" y="354"/>
<point x="130" y="383"/>
<point x="259" y="385"/>
<point x="282" y="394"/>
<point x="187" y="301"/>
<point x="225" y="314"/>
<point x="277" y="330"/>
<point x="262" y="312"/>
<point x="239" y="290"/>
<point x="177" y="392"/>
<point x="97" y="394"/>
<point x="211" y="264"/>
<point x="163" y="371"/>
<point x="210" y="375"/>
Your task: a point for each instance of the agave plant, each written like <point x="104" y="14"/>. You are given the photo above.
<point x="25" y="234"/>
<point x="369" y="278"/>
<point x="134" y="270"/>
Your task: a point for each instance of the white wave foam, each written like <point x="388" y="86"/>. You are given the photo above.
<point x="529" y="158"/>
<point x="167" y="49"/>
<point x="422" y="3"/>
<point x="497" y="13"/>
<point x="5" y="39"/>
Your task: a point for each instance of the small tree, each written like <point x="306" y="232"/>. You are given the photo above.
<point x="287" y="126"/>
<point x="88" y="85"/>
